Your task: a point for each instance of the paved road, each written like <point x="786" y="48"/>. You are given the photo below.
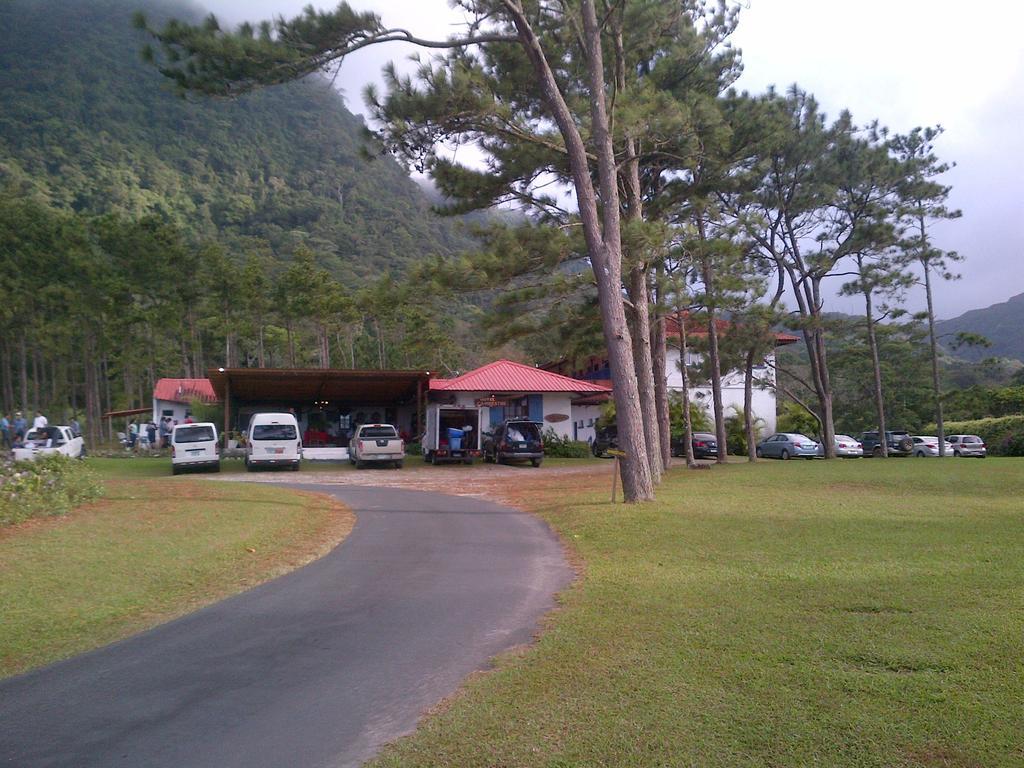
<point x="318" y="668"/>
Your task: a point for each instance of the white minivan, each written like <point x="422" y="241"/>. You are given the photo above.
<point x="272" y="440"/>
<point x="194" y="446"/>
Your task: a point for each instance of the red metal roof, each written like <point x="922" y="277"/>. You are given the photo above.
<point x="695" y="327"/>
<point x="506" y="376"/>
<point x="184" y="390"/>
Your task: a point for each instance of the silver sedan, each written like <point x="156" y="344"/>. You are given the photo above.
<point x="928" y="445"/>
<point x="788" y="445"/>
<point x="846" y="447"/>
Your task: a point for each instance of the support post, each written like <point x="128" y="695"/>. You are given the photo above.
<point x="227" y="410"/>
<point x="419" y="407"/>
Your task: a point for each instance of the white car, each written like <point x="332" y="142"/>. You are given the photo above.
<point x="272" y="440"/>
<point x="47" y="441"/>
<point x="194" y="446"/>
<point x="928" y="445"/>
<point x="846" y="447"/>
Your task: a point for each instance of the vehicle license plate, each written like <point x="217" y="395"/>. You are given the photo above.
<point x="195" y="451"/>
<point x="275" y="450"/>
<point x="520" y="445"/>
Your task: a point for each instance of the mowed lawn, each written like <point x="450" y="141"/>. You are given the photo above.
<point x="861" y="613"/>
<point x="149" y="550"/>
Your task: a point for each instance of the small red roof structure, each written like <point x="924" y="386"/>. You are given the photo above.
<point x="184" y="390"/>
<point x="506" y="376"/>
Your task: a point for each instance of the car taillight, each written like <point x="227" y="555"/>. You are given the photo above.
<point x="172" y="451"/>
<point x="503" y="445"/>
<point x="699" y="444"/>
<point x="797" y="445"/>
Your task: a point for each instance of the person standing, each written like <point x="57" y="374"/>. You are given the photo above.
<point x="5" y="431"/>
<point x="163" y="432"/>
<point x="40" y="421"/>
<point x="151" y="433"/>
<point x="76" y="428"/>
<point x="20" y="425"/>
<point x="133" y="434"/>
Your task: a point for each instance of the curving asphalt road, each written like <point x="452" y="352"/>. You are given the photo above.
<point x="318" y="668"/>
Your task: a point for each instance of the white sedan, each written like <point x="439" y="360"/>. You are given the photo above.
<point x="928" y="445"/>
<point x="47" y="441"/>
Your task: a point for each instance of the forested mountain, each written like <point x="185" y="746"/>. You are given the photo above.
<point x="1002" y="324"/>
<point x="92" y="129"/>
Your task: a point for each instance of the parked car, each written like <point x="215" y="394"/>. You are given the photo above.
<point x="376" y="443"/>
<point x="272" y="440"/>
<point x="898" y="441"/>
<point x="48" y="441"/>
<point x="928" y="445"/>
<point x="705" y="445"/>
<point x="846" y="447"/>
<point x="194" y="446"/>
<point x="606" y="439"/>
<point x="967" y="445"/>
<point x="787" y="445"/>
<point x="514" y="440"/>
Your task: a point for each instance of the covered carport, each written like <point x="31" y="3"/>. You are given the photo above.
<point x="328" y="403"/>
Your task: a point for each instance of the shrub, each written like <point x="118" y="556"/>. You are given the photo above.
<point x="1004" y="436"/>
<point x="53" y="485"/>
<point x="564" y="447"/>
<point x="413" y="449"/>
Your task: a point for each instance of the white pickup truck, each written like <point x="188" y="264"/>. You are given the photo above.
<point x="47" y="441"/>
<point x="376" y="443"/>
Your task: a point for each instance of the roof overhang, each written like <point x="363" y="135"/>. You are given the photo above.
<point x="309" y="385"/>
<point x="129" y="412"/>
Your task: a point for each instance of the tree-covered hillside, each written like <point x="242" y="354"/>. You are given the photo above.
<point x="91" y="128"/>
<point x="1000" y="324"/>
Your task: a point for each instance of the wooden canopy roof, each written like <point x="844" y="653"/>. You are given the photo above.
<point x="308" y="385"/>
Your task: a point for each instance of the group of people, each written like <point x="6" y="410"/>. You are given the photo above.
<point x="14" y="429"/>
<point x="153" y="434"/>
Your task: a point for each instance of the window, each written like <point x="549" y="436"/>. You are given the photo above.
<point x="273" y="432"/>
<point x="378" y="432"/>
<point x="193" y="434"/>
<point x="517" y="409"/>
<point x="522" y="432"/>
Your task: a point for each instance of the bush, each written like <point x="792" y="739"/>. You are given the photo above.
<point x="1004" y="436"/>
<point x="564" y="447"/>
<point x="53" y="485"/>
<point x="413" y="449"/>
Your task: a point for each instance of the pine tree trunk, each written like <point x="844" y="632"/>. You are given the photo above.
<point x="748" y="405"/>
<point x="940" y="427"/>
<point x="601" y="231"/>
<point x="23" y="372"/>
<point x="876" y="369"/>
<point x="659" y="353"/>
<point x="8" y="374"/>
<point x="713" y="356"/>
<point x="37" y="406"/>
<point x="691" y="461"/>
<point x="644" y="367"/>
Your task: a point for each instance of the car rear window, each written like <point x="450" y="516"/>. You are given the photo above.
<point x="522" y="432"/>
<point x="378" y="432"/>
<point x="972" y="439"/>
<point x="193" y="434"/>
<point x="273" y="432"/>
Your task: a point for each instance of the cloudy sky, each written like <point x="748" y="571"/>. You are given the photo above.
<point x="904" y="62"/>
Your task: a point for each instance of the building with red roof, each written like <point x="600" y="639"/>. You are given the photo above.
<point x="513" y="390"/>
<point x="174" y="397"/>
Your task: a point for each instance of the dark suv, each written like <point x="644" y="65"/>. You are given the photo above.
<point x="899" y="443"/>
<point x="514" y="440"/>
<point x="606" y="439"/>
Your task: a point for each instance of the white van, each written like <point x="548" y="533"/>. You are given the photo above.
<point x="272" y="440"/>
<point x="194" y="446"/>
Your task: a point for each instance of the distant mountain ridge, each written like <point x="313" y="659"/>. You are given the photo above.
<point x="86" y="125"/>
<point x="1002" y="324"/>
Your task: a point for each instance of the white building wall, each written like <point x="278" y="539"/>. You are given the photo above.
<point x="763" y="404"/>
<point x="585" y="420"/>
<point x="177" y="411"/>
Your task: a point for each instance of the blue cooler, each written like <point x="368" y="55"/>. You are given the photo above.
<point x="455" y="438"/>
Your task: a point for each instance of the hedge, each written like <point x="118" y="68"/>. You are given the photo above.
<point x="53" y="485"/>
<point x="1004" y="435"/>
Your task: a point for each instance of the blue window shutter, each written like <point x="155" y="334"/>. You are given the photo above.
<point x="497" y="415"/>
<point x="536" y="407"/>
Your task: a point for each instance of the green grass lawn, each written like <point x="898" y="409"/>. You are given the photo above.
<point x="149" y="550"/>
<point x="858" y="613"/>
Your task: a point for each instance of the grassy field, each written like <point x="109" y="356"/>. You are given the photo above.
<point x="149" y="550"/>
<point x="862" y="613"/>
